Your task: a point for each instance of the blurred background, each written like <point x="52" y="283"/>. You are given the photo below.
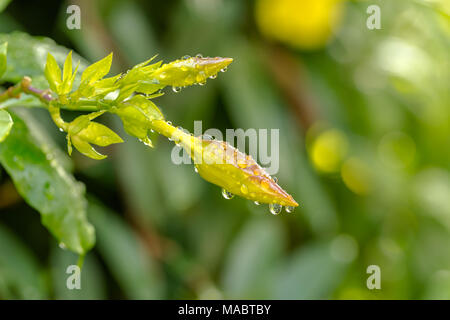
<point x="364" y="148"/>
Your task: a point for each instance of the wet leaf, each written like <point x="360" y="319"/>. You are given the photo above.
<point x="3" y="50"/>
<point x="6" y="124"/>
<point x="44" y="184"/>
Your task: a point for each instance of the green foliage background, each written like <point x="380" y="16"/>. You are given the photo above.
<point x="162" y="232"/>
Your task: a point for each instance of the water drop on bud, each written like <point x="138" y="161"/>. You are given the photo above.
<point x="275" y="208"/>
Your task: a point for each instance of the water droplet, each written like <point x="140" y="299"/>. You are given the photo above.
<point x="207" y="137"/>
<point x="62" y="246"/>
<point x="257" y="203"/>
<point x="202" y="83"/>
<point x="213" y="76"/>
<point x="152" y="131"/>
<point x="185" y="57"/>
<point x="195" y="169"/>
<point x="224" y="69"/>
<point x="275" y="179"/>
<point x="176" y="89"/>
<point x="61" y="129"/>
<point x="169" y="123"/>
<point x="227" y="195"/>
<point x="275" y="208"/>
<point x="199" y="55"/>
<point x="244" y="189"/>
<point x="289" y="209"/>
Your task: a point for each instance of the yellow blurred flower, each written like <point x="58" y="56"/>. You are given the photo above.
<point x="328" y="150"/>
<point x="305" y="24"/>
<point x="356" y="176"/>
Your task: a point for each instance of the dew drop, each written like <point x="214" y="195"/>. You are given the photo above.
<point x="176" y="89"/>
<point x="213" y="76"/>
<point x="169" y="123"/>
<point x="257" y="203"/>
<point x="227" y="195"/>
<point x="61" y="129"/>
<point x="244" y="189"/>
<point x="202" y="83"/>
<point x="275" y="208"/>
<point x="224" y="69"/>
<point x="289" y="209"/>
<point x="199" y="55"/>
<point x="195" y="169"/>
<point x="207" y="137"/>
<point x="62" y="246"/>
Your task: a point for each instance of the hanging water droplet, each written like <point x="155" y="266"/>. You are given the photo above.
<point x="275" y="208"/>
<point x="227" y="195"/>
<point x="62" y="246"/>
<point x="289" y="209"/>
<point x="213" y="76"/>
<point x="176" y="89"/>
<point x="185" y="57"/>
<point x="61" y="129"/>
<point x="169" y="123"/>
<point x="275" y="179"/>
<point x="257" y="203"/>
<point x="199" y="55"/>
<point x="152" y="131"/>
<point x="224" y="69"/>
<point x="195" y="169"/>
<point x="202" y="83"/>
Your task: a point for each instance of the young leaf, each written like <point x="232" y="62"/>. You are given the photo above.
<point x="52" y="73"/>
<point x="137" y="114"/>
<point x="82" y="132"/>
<point x="97" y="70"/>
<point x="46" y="186"/>
<point x="68" y="77"/>
<point x="3" y="50"/>
<point x="6" y="124"/>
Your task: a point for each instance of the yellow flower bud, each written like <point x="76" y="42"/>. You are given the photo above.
<point x="223" y="165"/>
<point x="186" y="72"/>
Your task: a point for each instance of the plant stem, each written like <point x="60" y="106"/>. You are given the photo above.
<point x="24" y="86"/>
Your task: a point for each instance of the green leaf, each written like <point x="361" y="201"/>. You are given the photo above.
<point x="27" y="56"/>
<point x="3" y="50"/>
<point x="20" y="275"/>
<point x="130" y="264"/>
<point x="68" y="77"/>
<point x="94" y="73"/>
<point x="6" y="124"/>
<point x="4" y="4"/>
<point x="136" y="115"/>
<point x="52" y="73"/>
<point x="46" y="186"/>
<point x="82" y="132"/>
